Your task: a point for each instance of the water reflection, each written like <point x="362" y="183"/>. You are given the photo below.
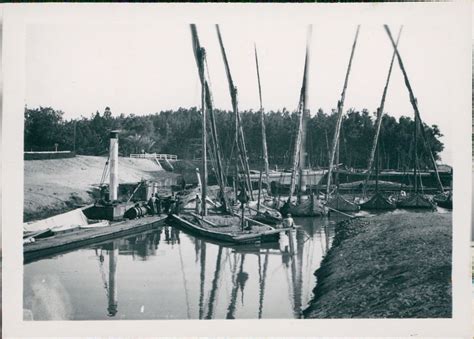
<point x="167" y="274"/>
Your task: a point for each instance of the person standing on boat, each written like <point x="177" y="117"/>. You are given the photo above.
<point x="172" y="203"/>
<point x="243" y="197"/>
<point x="288" y="221"/>
<point x="197" y="210"/>
<point x="151" y="205"/>
<point x="158" y="204"/>
<point x="178" y="206"/>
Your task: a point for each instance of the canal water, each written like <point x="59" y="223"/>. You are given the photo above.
<point x="169" y="274"/>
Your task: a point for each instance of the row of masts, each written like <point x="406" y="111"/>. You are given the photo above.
<point x="299" y="152"/>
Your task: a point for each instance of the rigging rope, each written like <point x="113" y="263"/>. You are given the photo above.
<point x="105" y="171"/>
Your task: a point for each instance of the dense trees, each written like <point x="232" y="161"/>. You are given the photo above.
<point x="179" y="132"/>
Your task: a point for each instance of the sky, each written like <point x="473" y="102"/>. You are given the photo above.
<point x="145" y="68"/>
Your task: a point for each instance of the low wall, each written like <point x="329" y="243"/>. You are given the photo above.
<point x="48" y="155"/>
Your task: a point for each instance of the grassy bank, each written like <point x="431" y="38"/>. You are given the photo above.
<point x="58" y="185"/>
<point x="387" y="266"/>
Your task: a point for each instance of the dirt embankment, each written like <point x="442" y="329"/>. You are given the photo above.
<point x="388" y="266"/>
<point x="58" y="185"/>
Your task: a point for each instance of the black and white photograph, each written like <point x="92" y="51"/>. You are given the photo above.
<point x="213" y="167"/>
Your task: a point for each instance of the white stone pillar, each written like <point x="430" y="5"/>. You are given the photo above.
<point x="113" y="186"/>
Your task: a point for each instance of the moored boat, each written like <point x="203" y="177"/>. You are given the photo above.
<point x="339" y="203"/>
<point x="378" y="202"/>
<point x="444" y="200"/>
<point x="226" y="228"/>
<point x="416" y="200"/>
<point x="311" y="207"/>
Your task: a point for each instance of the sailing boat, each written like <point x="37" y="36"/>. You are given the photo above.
<point x="312" y="206"/>
<point x="338" y="202"/>
<point x="224" y="225"/>
<point x="254" y="209"/>
<point x="378" y="201"/>
<point x="415" y="199"/>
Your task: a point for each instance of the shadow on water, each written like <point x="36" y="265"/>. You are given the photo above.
<point x="168" y="274"/>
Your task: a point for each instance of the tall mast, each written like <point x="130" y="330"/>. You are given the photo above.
<point x="215" y="142"/>
<point x="415" y="107"/>
<point x="377" y="168"/>
<point x="262" y="123"/>
<point x="199" y="54"/>
<point x="380" y="114"/>
<point x="415" y="153"/>
<point x="340" y="106"/>
<point x="233" y="94"/>
<point x="301" y="109"/>
<point x="302" y="152"/>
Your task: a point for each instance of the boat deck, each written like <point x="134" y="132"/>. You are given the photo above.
<point x="229" y="233"/>
<point x="67" y="241"/>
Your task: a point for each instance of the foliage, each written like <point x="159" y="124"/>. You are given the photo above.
<point x="179" y="132"/>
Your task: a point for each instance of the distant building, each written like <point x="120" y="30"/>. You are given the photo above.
<point x="444" y="168"/>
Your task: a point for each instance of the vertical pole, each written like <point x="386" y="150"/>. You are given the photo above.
<point x="259" y="190"/>
<point x="204" y="145"/>
<point x="262" y="122"/>
<point x="302" y="155"/>
<point x="74" y="141"/>
<point x="113" y="165"/>
<point x="415" y="153"/>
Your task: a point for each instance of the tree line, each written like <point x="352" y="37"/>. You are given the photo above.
<point x="179" y="132"/>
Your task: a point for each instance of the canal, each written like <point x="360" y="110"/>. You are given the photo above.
<point x="168" y="274"/>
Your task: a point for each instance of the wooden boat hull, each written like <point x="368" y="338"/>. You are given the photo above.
<point x="341" y="204"/>
<point x="378" y="202"/>
<point x="416" y="200"/>
<point x="266" y="214"/>
<point x="309" y="208"/>
<point x="445" y="201"/>
<point x="448" y="203"/>
<point x="244" y="237"/>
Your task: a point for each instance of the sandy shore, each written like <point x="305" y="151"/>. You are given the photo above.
<point x="55" y="186"/>
<point x="387" y="266"/>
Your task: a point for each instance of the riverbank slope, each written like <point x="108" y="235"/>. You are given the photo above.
<point x="58" y="185"/>
<point x="396" y="265"/>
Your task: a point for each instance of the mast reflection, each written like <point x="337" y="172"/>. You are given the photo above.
<point x="296" y="249"/>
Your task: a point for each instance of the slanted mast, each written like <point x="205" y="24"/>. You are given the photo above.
<point x="301" y="109"/>
<point x="414" y="104"/>
<point x="262" y="123"/>
<point x="340" y="107"/>
<point x="379" y="124"/>
<point x="199" y="54"/>
<point x="240" y="139"/>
